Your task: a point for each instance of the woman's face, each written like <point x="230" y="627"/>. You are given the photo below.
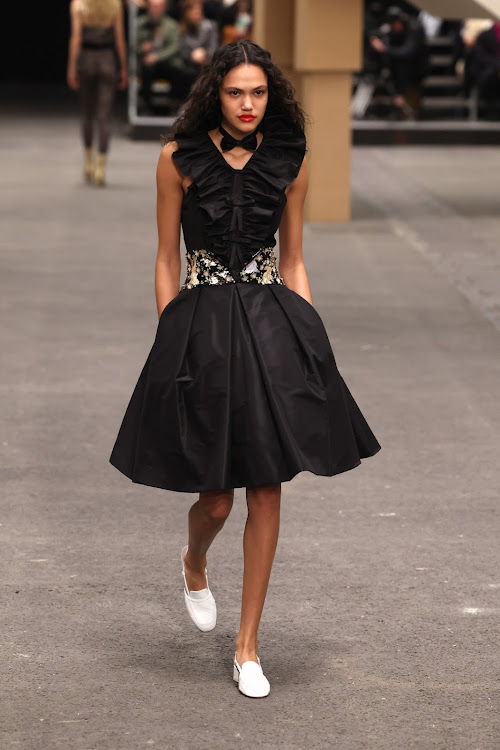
<point x="194" y="15"/>
<point x="157" y="8"/>
<point x="243" y="97"/>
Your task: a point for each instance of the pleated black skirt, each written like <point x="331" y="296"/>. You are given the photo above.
<point x="240" y="389"/>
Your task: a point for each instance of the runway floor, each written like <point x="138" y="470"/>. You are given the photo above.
<point x="381" y="626"/>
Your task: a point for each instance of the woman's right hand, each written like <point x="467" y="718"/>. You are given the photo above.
<point x="199" y="55"/>
<point x="123" y="80"/>
<point x="72" y="78"/>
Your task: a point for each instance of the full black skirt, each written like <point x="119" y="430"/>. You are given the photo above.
<point x="240" y="389"/>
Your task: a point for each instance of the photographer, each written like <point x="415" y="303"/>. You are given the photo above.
<point x="400" y="45"/>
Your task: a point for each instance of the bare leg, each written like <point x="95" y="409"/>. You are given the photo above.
<point x="259" y="545"/>
<point x="206" y="518"/>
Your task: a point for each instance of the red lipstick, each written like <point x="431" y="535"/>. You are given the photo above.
<point x="246" y="118"/>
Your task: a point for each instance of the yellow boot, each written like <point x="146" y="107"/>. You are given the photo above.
<point x="89" y="164"/>
<point x="100" y="170"/>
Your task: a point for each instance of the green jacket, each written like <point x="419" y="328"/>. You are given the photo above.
<point x="165" y="37"/>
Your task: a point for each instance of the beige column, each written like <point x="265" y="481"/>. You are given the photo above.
<point x="326" y="98"/>
<point x="328" y="45"/>
<point x="318" y="43"/>
<point x="274" y="22"/>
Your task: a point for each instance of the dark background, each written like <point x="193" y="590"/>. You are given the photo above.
<point x="35" y="42"/>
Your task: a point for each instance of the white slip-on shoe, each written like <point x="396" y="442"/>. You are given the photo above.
<point x="199" y="604"/>
<point x="251" y="679"/>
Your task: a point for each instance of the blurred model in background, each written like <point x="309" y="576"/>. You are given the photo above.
<point x="97" y="40"/>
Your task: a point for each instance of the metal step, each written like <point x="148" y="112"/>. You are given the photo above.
<point x="442" y="133"/>
<point x="435" y="82"/>
<point x="440" y="41"/>
<point x="440" y="61"/>
<point x="160" y="86"/>
<point x="445" y="102"/>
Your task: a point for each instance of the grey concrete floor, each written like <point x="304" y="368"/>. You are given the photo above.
<point x="381" y="624"/>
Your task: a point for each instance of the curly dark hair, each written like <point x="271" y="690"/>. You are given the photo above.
<point x="202" y="109"/>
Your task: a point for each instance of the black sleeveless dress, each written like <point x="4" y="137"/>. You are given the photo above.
<point x="240" y="388"/>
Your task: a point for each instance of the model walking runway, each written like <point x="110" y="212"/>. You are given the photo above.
<point x="240" y="388"/>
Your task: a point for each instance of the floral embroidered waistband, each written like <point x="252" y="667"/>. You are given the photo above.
<point x="203" y="267"/>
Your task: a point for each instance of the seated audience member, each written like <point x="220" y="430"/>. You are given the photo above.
<point x="487" y="64"/>
<point x="199" y="36"/>
<point x="158" y="56"/>
<point x="401" y="43"/>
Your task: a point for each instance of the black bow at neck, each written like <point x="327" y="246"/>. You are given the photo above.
<point x="228" y="142"/>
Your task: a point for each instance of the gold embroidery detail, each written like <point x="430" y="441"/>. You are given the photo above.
<point x="193" y="276"/>
<point x="203" y="267"/>
<point x="262" y="269"/>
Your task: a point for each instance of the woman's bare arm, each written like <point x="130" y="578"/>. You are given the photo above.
<point x="121" y="48"/>
<point x="168" y="213"/>
<point x="291" y="264"/>
<point x="75" y="42"/>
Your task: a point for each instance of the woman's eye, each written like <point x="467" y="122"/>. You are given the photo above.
<point x="233" y="92"/>
<point x="259" y="92"/>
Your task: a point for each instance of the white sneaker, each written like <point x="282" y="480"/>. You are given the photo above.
<point x="199" y="604"/>
<point x="251" y="679"/>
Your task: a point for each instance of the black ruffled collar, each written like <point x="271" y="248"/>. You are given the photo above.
<point x="241" y="206"/>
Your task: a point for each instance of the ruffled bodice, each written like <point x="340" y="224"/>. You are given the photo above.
<point x="231" y="212"/>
